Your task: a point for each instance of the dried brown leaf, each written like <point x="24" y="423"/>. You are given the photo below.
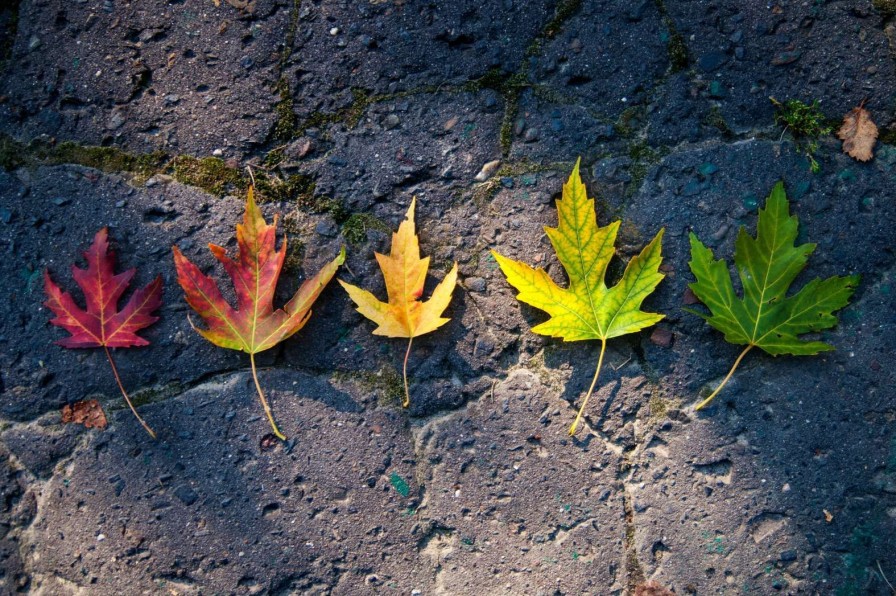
<point x="88" y="412"/>
<point x="858" y="134"/>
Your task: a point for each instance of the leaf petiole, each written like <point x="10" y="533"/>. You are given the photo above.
<point x="125" y="394"/>
<point x="706" y="401"/>
<point x="264" y="402"/>
<point x="600" y="361"/>
<point x="407" y="393"/>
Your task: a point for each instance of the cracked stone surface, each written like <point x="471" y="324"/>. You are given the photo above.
<point x="786" y="484"/>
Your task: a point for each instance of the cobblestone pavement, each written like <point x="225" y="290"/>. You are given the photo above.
<point x="144" y="116"/>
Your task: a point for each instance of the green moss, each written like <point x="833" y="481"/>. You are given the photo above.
<point x="505" y="135"/>
<point x="715" y="119"/>
<point x="498" y="80"/>
<point x="353" y="114"/>
<point x="565" y="10"/>
<point x="295" y="255"/>
<point x="386" y="383"/>
<point x="629" y="121"/>
<point x="295" y="188"/>
<point x="354" y="229"/>
<point x="807" y="123"/>
<point x="859" y="558"/>
<point x="658" y="407"/>
<point x="642" y="151"/>
<point x="151" y="395"/>
<point x="105" y="159"/>
<point x="887" y="136"/>
<point x="678" y="49"/>
<point x="885" y="7"/>
<point x="9" y="24"/>
<point x="208" y="173"/>
<point x="274" y="158"/>
<point x="802" y="119"/>
<point x="287" y="123"/>
<point x="350" y="116"/>
<point x="509" y="85"/>
<point x="13" y="154"/>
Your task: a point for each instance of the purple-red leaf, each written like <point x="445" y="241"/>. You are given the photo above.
<point x="102" y="324"/>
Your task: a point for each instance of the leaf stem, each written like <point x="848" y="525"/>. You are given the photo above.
<point x="406" y="403"/>
<point x="264" y="402"/>
<point x="706" y="401"/>
<point x="600" y="361"/>
<point x="125" y="394"/>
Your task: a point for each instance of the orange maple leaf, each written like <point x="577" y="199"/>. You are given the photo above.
<point x="253" y="326"/>
<point x="405" y="315"/>
<point x="102" y="324"/>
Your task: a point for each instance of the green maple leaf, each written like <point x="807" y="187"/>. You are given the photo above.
<point x="588" y="309"/>
<point x="766" y="317"/>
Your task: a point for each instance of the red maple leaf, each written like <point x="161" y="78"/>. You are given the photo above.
<point x="102" y="324"/>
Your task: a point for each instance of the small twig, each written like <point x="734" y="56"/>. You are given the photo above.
<point x="627" y="360"/>
<point x="892" y="589"/>
<point x="251" y="175"/>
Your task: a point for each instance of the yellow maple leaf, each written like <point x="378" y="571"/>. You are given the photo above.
<point x="405" y="315"/>
<point x="588" y="309"/>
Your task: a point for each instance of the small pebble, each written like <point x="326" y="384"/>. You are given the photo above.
<point x="391" y="121"/>
<point x="475" y="284"/>
<point x="487" y="170"/>
<point x="662" y="337"/>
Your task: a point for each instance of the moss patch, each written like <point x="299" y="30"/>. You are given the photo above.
<point x="715" y="119"/>
<point x="565" y="10"/>
<point x="630" y="120"/>
<point x="509" y="85"/>
<point x="9" y="24"/>
<point x="287" y="123"/>
<point x="105" y="159"/>
<point x="14" y="154"/>
<point x="386" y="383"/>
<point x="807" y="123"/>
<point x="885" y="7"/>
<point x="676" y="47"/>
<point x="354" y="229"/>
<point x="350" y="116"/>
<point x="887" y="136"/>
<point x="208" y="173"/>
<point x="295" y="188"/>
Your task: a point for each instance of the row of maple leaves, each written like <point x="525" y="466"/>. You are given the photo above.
<point x="765" y="317"/>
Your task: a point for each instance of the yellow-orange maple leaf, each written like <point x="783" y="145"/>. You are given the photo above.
<point x="405" y="315"/>
<point x="858" y="134"/>
<point x="254" y="325"/>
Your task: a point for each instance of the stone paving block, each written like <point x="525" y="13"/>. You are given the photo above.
<point x="180" y="77"/>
